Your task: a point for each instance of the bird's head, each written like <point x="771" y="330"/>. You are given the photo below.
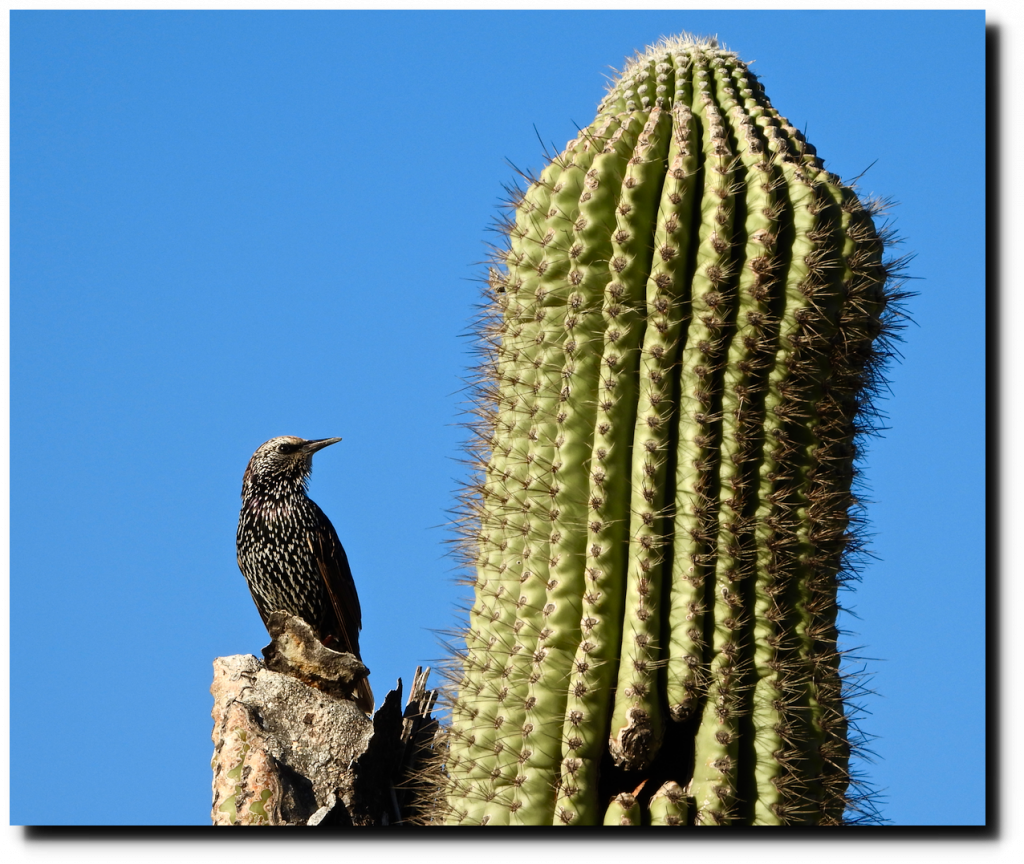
<point x="281" y="466"/>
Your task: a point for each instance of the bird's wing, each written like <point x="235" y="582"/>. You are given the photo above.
<point x="341" y="588"/>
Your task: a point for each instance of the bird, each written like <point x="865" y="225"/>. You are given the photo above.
<point x="289" y="552"/>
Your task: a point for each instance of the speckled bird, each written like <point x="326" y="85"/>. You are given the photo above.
<point x="290" y="553"/>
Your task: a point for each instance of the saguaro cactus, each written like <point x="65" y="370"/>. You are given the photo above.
<point x="680" y="343"/>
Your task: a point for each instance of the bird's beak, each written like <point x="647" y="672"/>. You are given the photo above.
<point x="312" y="446"/>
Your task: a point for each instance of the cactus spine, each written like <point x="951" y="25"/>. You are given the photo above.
<point x="680" y="343"/>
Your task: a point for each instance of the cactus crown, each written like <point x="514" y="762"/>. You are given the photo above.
<point x="678" y="348"/>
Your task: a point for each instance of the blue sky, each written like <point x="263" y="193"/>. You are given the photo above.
<point x="230" y="226"/>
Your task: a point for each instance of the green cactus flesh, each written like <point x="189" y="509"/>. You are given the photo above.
<point x="681" y="343"/>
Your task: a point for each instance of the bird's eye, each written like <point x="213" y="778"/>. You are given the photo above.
<point x="284" y="448"/>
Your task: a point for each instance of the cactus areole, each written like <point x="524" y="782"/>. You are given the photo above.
<point x="681" y="340"/>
